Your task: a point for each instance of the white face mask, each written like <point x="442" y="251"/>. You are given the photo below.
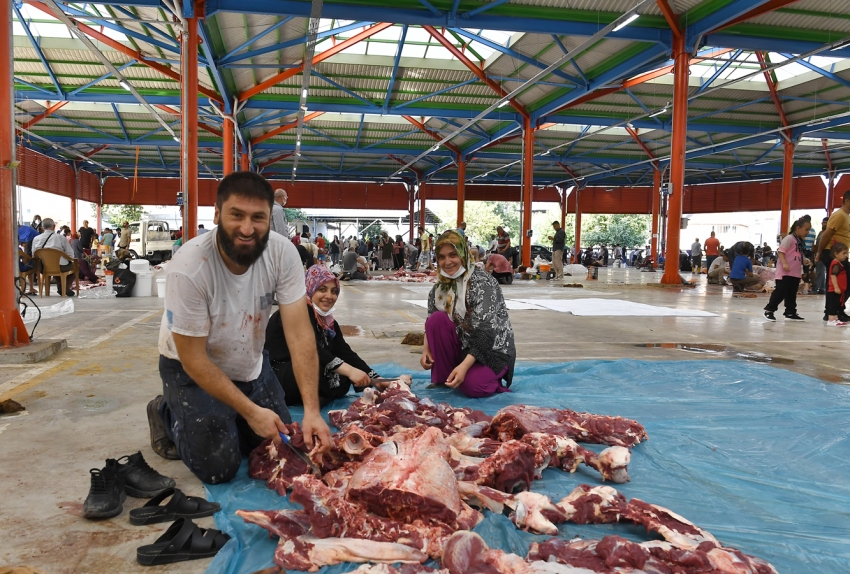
<point x="457" y="274"/>
<point x="323" y="313"/>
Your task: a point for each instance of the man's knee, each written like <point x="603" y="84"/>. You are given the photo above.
<point x="210" y="448"/>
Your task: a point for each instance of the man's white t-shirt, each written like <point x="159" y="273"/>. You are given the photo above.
<point x="204" y="299"/>
<point x="716" y="264"/>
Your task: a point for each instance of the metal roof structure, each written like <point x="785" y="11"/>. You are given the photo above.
<point x="389" y="78"/>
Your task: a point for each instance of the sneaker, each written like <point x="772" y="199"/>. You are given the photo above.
<point x="160" y="443"/>
<point x="836" y="323"/>
<point x="794" y="317"/>
<point x="140" y="480"/>
<point x="843" y="317"/>
<point x="769" y="316"/>
<point x="106" y="492"/>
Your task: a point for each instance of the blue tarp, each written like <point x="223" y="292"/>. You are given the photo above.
<point x="758" y="456"/>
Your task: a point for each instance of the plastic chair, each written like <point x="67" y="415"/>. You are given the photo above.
<point x="22" y="275"/>
<point x="49" y="259"/>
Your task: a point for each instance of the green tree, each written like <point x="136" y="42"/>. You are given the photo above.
<point x="118" y="214"/>
<point x="627" y="230"/>
<point x="294" y="214"/>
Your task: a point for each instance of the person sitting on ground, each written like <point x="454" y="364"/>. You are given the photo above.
<point x="469" y="341"/>
<point x="717" y="270"/>
<point x="500" y="268"/>
<point x="220" y="396"/>
<point x="837" y="288"/>
<point x="789" y="271"/>
<point x="340" y="368"/>
<point x="353" y="267"/>
<point x="80" y="255"/>
<point x="741" y="275"/>
<point x="50" y="239"/>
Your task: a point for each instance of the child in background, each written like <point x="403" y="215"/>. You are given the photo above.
<point x="789" y="270"/>
<point x="837" y="287"/>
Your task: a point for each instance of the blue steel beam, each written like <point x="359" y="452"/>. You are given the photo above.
<point x="100" y="79"/>
<point x="563" y="48"/>
<point x="516" y="55"/>
<point x="643" y="107"/>
<point x="730" y="108"/>
<point x="348" y="91"/>
<point x="778" y="45"/>
<point x="826" y="74"/>
<point x="453" y="13"/>
<point x="120" y="123"/>
<point x="259" y="36"/>
<point x="203" y="34"/>
<point x="472" y="13"/>
<point x="341" y="145"/>
<point x="81" y="15"/>
<point x="470" y="151"/>
<point x="146" y="25"/>
<point x="432" y="94"/>
<point x="359" y="131"/>
<point x="719" y="72"/>
<point x="719" y="18"/>
<point x="395" y="69"/>
<point x="294" y="42"/>
<point x="34" y="87"/>
<point x="37" y="48"/>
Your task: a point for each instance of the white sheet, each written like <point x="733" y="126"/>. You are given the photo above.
<point x="511" y="304"/>
<point x="612" y="308"/>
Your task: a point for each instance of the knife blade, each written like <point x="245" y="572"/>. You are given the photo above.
<point x="302" y="455"/>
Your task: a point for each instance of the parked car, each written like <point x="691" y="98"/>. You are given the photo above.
<point x="541" y="251"/>
<point x="150" y="240"/>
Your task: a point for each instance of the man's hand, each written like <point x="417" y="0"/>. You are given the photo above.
<point x="314" y="425"/>
<point x="426" y="360"/>
<point x="457" y="376"/>
<point x="266" y="423"/>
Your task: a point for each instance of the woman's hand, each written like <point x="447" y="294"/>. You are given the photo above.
<point x="458" y="374"/>
<point x="426" y="360"/>
<point x="359" y="378"/>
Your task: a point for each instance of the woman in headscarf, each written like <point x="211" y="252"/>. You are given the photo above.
<point x="339" y="366"/>
<point x="469" y="341"/>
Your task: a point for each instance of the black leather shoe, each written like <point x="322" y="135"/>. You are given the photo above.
<point x="140" y="480"/>
<point x="106" y="492"/>
<point x="160" y="443"/>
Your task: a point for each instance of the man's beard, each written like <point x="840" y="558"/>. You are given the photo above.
<point x="244" y="256"/>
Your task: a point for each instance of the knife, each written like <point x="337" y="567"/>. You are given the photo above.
<point x="288" y="442"/>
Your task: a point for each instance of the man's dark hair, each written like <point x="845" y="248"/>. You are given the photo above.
<point x="846" y="196"/>
<point x="745" y="250"/>
<point x="245" y="184"/>
<point x="806" y="218"/>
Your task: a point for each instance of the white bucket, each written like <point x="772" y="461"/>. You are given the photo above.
<point x="142" y="288"/>
<point x="109" y="280"/>
<point x="160" y="287"/>
<point x="139" y="266"/>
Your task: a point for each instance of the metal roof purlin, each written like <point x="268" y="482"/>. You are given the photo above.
<point x="283" y="128"/>
<point x="433" y="134"/>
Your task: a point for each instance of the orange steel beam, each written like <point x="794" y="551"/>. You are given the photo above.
<point x="564" y="198"/>
<point x="569" y="170"/>
<point x="189" y="126"/>
<point x="476" y="70"/>
<point x="275" y="159"/>
<point x="245" y="162"/>
<point x="787" y="180"/>
<point x="763" y="9"/>
<point x="512" y="137"/>
<point x="639" y="141"/>
<point x="283" y="128"/>
<point x="12" y="329"/>
<point x="43" y="115"/>
<point x="201" y="125"/>
<point x="98" y="149"/>
<point x="461" y="189"/>
<point x="118" y="46"/>
<point x="527" y="184"/>
<point x="227" y="147"/>
<point x="656" y="211"/>
<point x="830" y="188"/>
<point x="433" y="134"/>
<point x="577" y="250"/>
<point x="772" y="87"/>
<point x="677" y="160"/>
<point x="637" y="80"/>
<point x="671" y="17"/>
<point x="332" y="51"/>
<point x="402" y="162"/>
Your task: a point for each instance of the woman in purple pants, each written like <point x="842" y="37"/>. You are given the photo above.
<point x="469" y="341"/>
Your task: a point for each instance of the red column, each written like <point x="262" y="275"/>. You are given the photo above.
<point x="677" y="160"/>
<point x="461" y="191"/>
<point x="577" y="254"/>
<point x="656" y="210"/>
<point x="411" y="203"/>
<point x="98" y="215"/>
<point x="246" y="164"/>
<point x="830" y="193"/>
<point x="73" y="223"/>
<point x="227" y="146"/>
<point x="12" y="330"/>
<point x="564" y="197"/>
<point x="422" y="218"/>
<point x="527" y="182"/>
<point x="189" y="127"/>
<point x="787" y="180"/>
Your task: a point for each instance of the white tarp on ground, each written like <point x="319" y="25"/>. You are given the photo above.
<point x="612" y="308"/>
<point x="512" y="305"/>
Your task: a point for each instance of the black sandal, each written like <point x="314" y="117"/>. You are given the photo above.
<point x="184" y="540"/>
<point x="180" y="506"/>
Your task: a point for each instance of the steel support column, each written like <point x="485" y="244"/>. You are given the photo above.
<point x="74" y="196"/>
<point x="681" y="60"/>
<point x="527" y="184"/>
<point x="189" y="126"/>
<point x="564" y="196"/>
<point x="656" y="210"/>
<point x="787" y="180"/>
<point x="227" y="146"/>
<point x="461" y="191"/>
<point x="411" y="202"/>
<point x="12" y="330"/>
<point x="577" y="254"/>
<point x="246" y="162"/>
<point x="98" y="215"/>
<point x="830" y="186"/>
<point x="422" y="218"/>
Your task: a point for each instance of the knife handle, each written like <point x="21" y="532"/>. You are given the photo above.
<point x="285" y="438"/>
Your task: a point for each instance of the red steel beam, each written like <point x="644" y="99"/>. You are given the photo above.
<point x="761" y="10"/>
<point x="189" y="127"/>
<point x="334" y="50"/>
<point x="433" y="134"/>
<point x="227" y="147"/>
<point x="527" y="185"/>
<point x="639" y="141"/>
<point x="787" y="180"/>
<point x="476" y="70"/>
<point x="402" y="162"/>
<point x="98" y="149"/>
<point x="118" y="46"/>
<point x="283" y="128"/>
<point x="201" y="125"/>
<point x="671" y="17"/>
<point x="773" y="94"/>
<point x="569" y="170"/>
<point x="275" y="159"/>
<point x="830" y="188"/>
<point x="43" y="115"/>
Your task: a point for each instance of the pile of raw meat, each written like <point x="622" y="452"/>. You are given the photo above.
<point x="408" y="478"/>
<point x="403" y="276"/>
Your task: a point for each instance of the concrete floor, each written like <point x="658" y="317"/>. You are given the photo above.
<point x="88" y="403"/>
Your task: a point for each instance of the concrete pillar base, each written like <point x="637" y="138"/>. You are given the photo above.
<point x="35" y="352"/>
